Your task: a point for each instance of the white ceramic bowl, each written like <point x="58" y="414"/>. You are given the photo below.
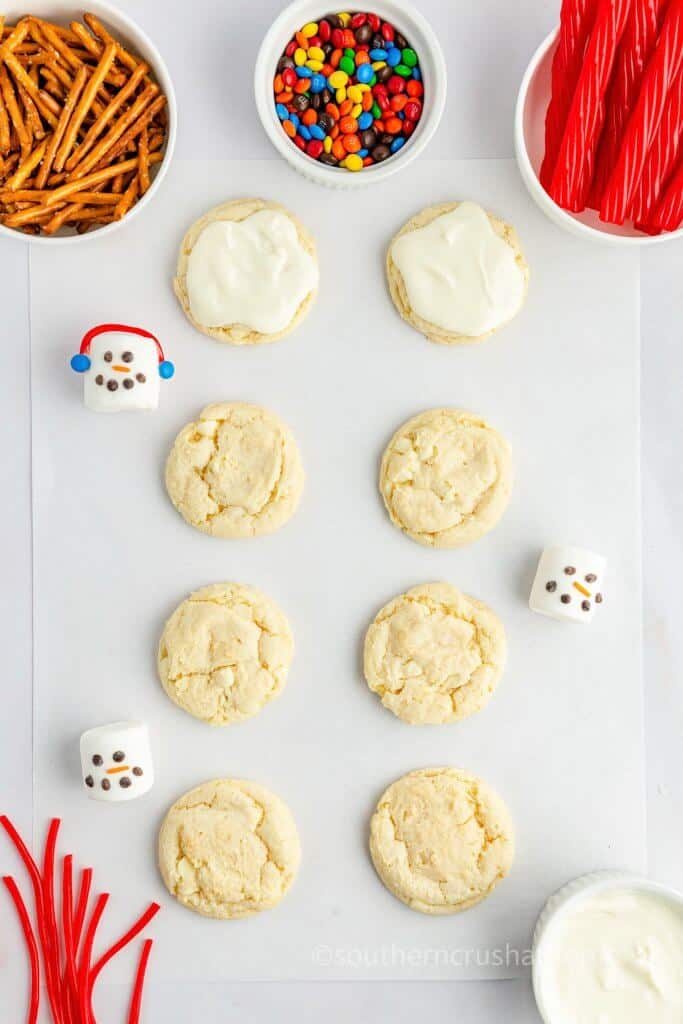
<point x="565" y="899"/>
<point x="421" y="37"/>
<point x="124" y="29"/>
<point x="532" y="103"/>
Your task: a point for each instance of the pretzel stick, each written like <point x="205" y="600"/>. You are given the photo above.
<point x="115" y="132"/>
<point x="4" y="126"/>
<point x="97" y="177"/>
<point x="32" y="115"/>
<point x="127" y="199"/>
<point x="14" y="112"/>
<point x="143" y="157"/>
<point x="139" y="125"/>
<point x="59" y="219"/>
<point x="29" y="165"/>
<point x="66" y="81"/>
<point x="64" y="120"/>
<point x="50" y="102"/>
<point x="94" y="48"/>
<point x="17" y="35"/>
<point x="105" y="117"/>
<point x="98" y="29"/>
<point x="84" y="105"/>
<point x="23" y="79"/>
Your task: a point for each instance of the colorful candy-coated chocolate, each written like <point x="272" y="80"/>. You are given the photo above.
<point x="348" y="90"/>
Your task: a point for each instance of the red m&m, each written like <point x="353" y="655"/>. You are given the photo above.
<point x="348" y="90"/>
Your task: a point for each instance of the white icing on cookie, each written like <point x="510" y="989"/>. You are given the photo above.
<point x="459" y="274"/>
<point x="253" y="272"/>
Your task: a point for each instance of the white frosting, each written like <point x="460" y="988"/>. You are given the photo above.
<point x="459" y="274"/>
<point x="101" y="761"/>
<point x="616" y="957"/>
<point x="108" y="367"/>
<point x="253" y="272"/>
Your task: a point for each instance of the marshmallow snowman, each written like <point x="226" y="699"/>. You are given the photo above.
<point x="568" y="584"/>
<point x="121" y="368"/>
<point x="116" y="761"/>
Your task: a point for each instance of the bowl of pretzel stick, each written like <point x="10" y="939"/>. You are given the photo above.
<point x="88" y="121"/>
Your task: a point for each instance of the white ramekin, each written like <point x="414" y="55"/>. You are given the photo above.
<point x="125" y="29"/>
<point x="408" y="20"/>
<point x="564" y="900"/>
<point x="532" y="103"/>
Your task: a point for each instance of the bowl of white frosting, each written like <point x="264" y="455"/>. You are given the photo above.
<point x="608" y="949"/>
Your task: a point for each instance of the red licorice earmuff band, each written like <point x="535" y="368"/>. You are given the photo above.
<point x="81" y="361"/>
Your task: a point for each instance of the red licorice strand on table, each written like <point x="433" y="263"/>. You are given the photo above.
<point x="662" y="157"/>
<point x="576" y="21"/>
<point x="669" y="213"/>
<point x="69" y="980"/>
<point x="37" y="883"/>
<point x="86" y="955"/>
<point x="31" y="947"/>
<point x="575" y="162"/>
<point x="635" y="49"/>
<point x="138" y="986"/>
<point x="51" y="933"/>
<point x="81" y="907"/>
<point x="661" y="72"/>
<point x="141" y="923"/>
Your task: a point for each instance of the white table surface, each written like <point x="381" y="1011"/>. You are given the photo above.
<point x="210" y="49"/>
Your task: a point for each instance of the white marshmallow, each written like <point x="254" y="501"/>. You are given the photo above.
<point x="568" y="584"/>
<point x="121" y="359"/>
<point x="116" y="761"/>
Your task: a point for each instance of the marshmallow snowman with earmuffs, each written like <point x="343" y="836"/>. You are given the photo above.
<point x="121" y="368"/>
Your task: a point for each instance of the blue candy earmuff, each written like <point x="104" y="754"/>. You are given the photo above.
<point x="80" y="363"/>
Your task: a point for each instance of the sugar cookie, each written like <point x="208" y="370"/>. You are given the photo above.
<point x="247" y="272"/>
<point x="235" y="472"/>
<point x="229" y="849"/>
<point x="225" y="653"/>
<point x="446" y="477"/>
<point x="434" y="654"/>
<point x="441" y="840"/>
<point x="456" y="273"/>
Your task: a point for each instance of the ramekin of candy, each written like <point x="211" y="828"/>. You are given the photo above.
<point x="349" y="96"/>
<point x="599" y="121"/>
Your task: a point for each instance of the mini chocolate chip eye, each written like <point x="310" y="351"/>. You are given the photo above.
<point x="99" y="379"/>
<point x="590" y="577"/>
<point x="586" y="606"/>
<point x="118" y="756"/>
<point x="565" y="599"/>
<point x="598" y="598"/>
<point x="106" y="785"/>
<point x="112" y="385"/>
<point x="124" y="782"/>
<point x="97" y="760"/>
<point x="128" y="383"/>
<point x="89" y="781"/>
<point x="137" y="771"/>
<point x="569" y="570"/>
<point x="140" y="378"/>
<point x="127" y="357"/>
<point x="107" y="357"/>
<point x="551" y="586"/>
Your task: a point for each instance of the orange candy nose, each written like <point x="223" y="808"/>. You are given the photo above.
<point x="120" y="369"/>
<point x="117" y="770"/>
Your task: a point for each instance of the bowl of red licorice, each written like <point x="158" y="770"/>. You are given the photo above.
<point x="350" y="96"/>
<point x="599" y="121"/>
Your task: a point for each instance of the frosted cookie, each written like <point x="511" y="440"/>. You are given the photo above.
<point x="446" y="477"/>
<point x="235" y="472"/>
<point x="229" y="849"/>
<point x="224" y="653"/>
<point x="441" y="840"/>
<point x="434" y="654"/>
<point x="456" y="273"/>
<point x="247" y="272"/>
